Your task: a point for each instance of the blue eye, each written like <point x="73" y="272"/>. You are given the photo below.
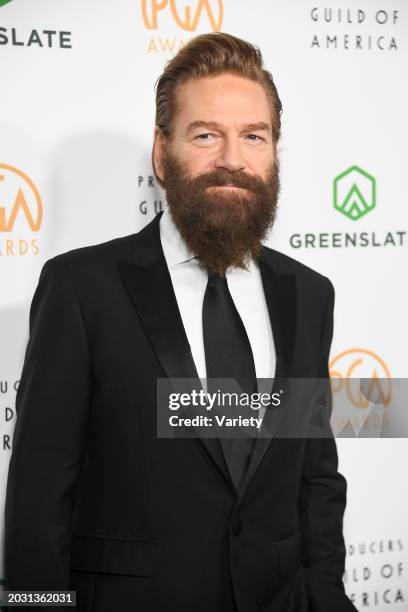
<point x="256" y="136"/>
<point x="200" y="136"/>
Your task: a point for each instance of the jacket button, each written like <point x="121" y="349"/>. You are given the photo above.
<point x="236" y="527"/>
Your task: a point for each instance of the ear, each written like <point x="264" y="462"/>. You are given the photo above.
<point x="158" y="150"/>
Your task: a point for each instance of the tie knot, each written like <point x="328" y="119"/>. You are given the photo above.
<point x="214" y="278"/>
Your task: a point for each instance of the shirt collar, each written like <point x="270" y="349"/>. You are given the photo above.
<point x="174" y="248"/>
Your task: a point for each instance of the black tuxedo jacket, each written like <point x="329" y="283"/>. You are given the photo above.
<point x="97" y="503"/>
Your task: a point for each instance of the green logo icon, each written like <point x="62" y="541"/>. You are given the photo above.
<point x="354" y="193"/>
<point x="3" y="2"/>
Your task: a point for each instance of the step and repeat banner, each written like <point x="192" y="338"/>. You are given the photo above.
<point x="76" y="127"/>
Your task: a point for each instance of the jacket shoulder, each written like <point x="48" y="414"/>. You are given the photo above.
<point x="305" y="275"/>
<point x="90" y="267"/>
<point x="92" y="254"/>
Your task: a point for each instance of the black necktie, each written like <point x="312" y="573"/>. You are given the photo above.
<point x="228" y="354"/>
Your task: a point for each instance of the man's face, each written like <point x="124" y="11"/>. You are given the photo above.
<point x="220" y="169"/>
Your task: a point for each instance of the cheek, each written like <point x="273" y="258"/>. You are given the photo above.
<point x="260" y="164"/>
<point x="198" y="160"/>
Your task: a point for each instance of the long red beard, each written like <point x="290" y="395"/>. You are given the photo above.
<point x="222" y="228"/>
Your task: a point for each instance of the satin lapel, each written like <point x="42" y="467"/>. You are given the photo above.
<point x="148" y="283"/>
<point x="281" y="298"/>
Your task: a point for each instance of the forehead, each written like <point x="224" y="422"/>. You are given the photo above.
<point x="223" y="98"/>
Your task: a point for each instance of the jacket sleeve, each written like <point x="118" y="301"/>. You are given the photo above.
<point x="323" y="498"/>
<point x="52" y="406"/>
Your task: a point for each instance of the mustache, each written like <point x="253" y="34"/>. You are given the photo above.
<point x="221" y="179"/>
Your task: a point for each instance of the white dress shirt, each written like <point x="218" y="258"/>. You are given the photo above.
<point x="189" y="283"/>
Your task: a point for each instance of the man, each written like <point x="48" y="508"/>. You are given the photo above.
<point x="96" y="500"/>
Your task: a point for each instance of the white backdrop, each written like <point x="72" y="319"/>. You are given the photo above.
<point x="76" y="127"/>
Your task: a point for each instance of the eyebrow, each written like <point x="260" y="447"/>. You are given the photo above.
<point x="214" y="125"/>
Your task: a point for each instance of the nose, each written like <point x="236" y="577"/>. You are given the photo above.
<point x="230" y="154"/>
